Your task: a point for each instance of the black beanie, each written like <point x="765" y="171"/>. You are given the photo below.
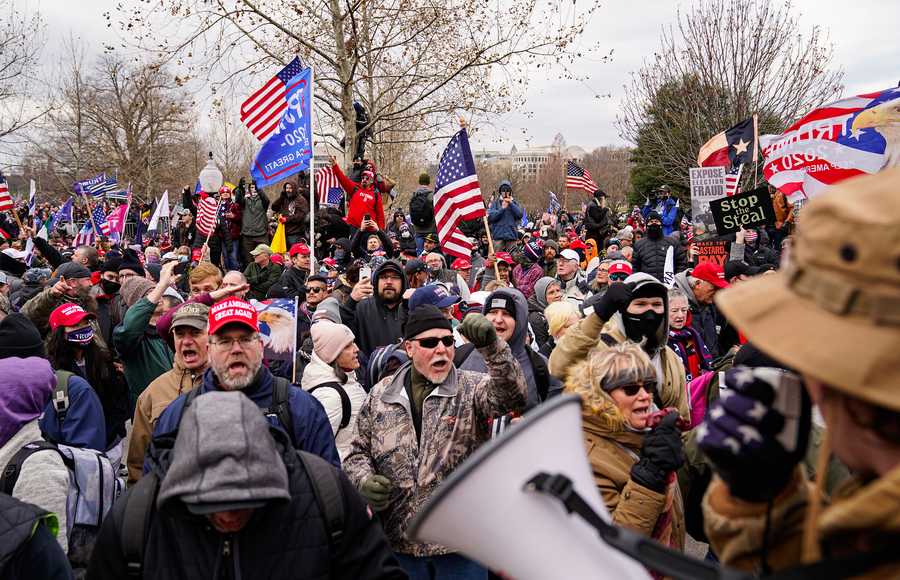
<point x="130" y="261"/>
<point x="425" y="317"/>
<point x="654" y="215"/>
<point x="19" y="337"/>
<point x="112" y="264"/>
<point x="502" y="301"/>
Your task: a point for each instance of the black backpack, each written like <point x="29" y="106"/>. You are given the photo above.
<point x="346" y="407"/>
<point x="421" y="209"/>
<point x="139" y="504"/>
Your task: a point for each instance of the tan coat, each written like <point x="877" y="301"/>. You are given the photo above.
<point x="612" y="451"/>
<point x="585" y="336"/>
<point x="150" y="404"/>
<point x="857" y="519"/>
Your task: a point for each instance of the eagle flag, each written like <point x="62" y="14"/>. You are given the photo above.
<point x="843" y="139"/>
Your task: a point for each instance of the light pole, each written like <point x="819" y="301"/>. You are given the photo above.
<point x="210" y="177"/>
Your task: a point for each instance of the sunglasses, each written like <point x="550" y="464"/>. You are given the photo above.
<point x="618" y="277"/>
<point x="432" y="341"/>
<point x="632" y="390"/>
<point x="314" y="290"/>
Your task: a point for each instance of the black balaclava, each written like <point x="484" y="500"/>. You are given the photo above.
<point x="646" y="325"/>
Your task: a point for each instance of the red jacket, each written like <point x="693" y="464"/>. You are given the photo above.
<point x="361" y="201"/>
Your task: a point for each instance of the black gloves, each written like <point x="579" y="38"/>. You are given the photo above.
<point x="615" y="299"/>
<point x="478" y="330"/>
<point x="661" y="454"/>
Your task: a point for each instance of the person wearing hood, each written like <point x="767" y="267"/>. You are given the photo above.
<point x="330" y="377"/>
<point x="373" y="311"/>
<point x="341" y="253"/>
<point x="546" y="291"/>
<point x="507" y="310"/>
<point x="240" y="506"/>
<point x="402" y="232"/>
<point x="633" y="462"/>
<point x="364" y="198"/>
<point x="598" y="218"/>
<point x="752" y="247"/>
<point x="700" y="285"/>
<point x="30" y="549"/>
<point x="525" y="277"/>
<point x="650" y="252"/>
<point x="664" y="206"/>
<point x="551" y="251"/>
<point x="293" y="206"/>
<point x="109" y="301"/>
<point x="254" y="206"/>
<point x="504" y="217"/>
<point x="33" y="282"/>
<point x="636" y="310"/>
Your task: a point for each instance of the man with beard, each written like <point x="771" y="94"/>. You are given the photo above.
<point x="373" y="311"/>
<point x="235" y="360"/>
<point x="638" y="311"/>
<point x="294" y="210"/>
<point x="650" y="252"/>
<point x="191" y="342"/>
<point x="72" y="283"/>
<point x="420" y="423"/>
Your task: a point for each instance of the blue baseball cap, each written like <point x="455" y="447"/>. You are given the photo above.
<point x="434" y="294"/>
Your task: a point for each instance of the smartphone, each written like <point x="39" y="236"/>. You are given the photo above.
<point x="365" y="272"/>
<point x="367" y="217"/>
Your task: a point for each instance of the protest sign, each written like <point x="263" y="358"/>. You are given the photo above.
<point x="278" y="327"/>
<point x="707" y="184"/>
<point x="715" y="251"/>
<point x="749" y="209"/>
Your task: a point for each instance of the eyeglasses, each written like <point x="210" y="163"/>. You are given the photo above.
<point x="243" y="341"/>
<point x="618" y="277"/>
<point x="314" y="290"/>
<point x="632" y="390"/>
<point x="432" y="341"/>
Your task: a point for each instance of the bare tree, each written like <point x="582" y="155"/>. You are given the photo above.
<point x="21" y="41"/>
<point x="232" y="145"/>
<point x="411" y="63"/>
<point x="722" y="61"/>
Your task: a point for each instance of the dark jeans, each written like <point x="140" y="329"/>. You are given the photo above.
<point x="446" y="567"/>
<point x="232" y="255"/>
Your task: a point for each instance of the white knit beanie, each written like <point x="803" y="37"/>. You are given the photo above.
<point x="329" y="339"/>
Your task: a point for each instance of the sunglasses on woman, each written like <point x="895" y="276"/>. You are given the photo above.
<point x="632" y="390"/>
<point x="432" y="341"/>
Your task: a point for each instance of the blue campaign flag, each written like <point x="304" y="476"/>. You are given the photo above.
<point x="63" y="214"/>
<point x="96" y="186"/>
<point x="553" y="206"/>
<point x="289" y="149"/>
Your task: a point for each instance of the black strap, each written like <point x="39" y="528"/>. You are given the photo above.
<point x="608" y="339"/>
<point x="541" y="373"/>
<point x="60" y="397"/>
<point x="136" y="522"/>
<point x="14" y="467"/>
<point x="346" y="407"/>
<point x="329" y="494"/>
<point x="281" y="408"/>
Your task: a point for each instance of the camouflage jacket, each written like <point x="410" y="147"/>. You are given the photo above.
<point x="454" y="424"/>
<point x="40" y="306"/>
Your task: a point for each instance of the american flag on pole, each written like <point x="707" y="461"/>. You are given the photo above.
<point x="733" y="180"/>
<point x="843" y="139"/>
<point x="85" y="236"/>
<point x="457" y="196"/>
<point x="206" y="215"/>
<point x="578" y="177"/>
<point x="262" y="110"/>
<point x="327" y="186"/>
<point x="6" y="202"/>
<point x="99" y="219"/>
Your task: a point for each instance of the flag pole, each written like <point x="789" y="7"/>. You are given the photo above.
<point x="211" y="230"/>
<point x="755" y="150"/>
<point x="90" y="211"/>
<point x="312" y="174"/>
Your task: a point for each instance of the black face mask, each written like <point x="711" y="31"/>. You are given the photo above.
<point x="110" y="287"/>
<point x="640" y="326"/>
<point x="654" y="231"/>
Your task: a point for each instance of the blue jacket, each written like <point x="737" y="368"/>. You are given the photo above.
<point x="668" y="210"/>
<point x="312" y="430"/>
<point x="504" y="221"/>
<point x="85" y="424"/>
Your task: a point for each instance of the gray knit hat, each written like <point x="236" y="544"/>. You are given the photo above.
<point x="211" y="473"/>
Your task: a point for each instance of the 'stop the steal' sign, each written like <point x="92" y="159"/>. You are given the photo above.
<point x="749" y="209"/>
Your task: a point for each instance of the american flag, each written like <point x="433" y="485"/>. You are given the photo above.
<point x="206" y="215"/>
<point x="85" y="236"/>
<point x="579" y="178"/>
<point x="327" y="186"/>
<point x="262" y="110"/>
<point x="99" y="218"/>
<point x="733" y="180"/>
<point x="457" y="196"/>
<point x="6" y="202"/>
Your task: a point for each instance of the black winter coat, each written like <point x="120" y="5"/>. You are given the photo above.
<point x="280" y="541"/>
<point x="650" y="257"/>
<point x="374" y="323"/>
<point x="598" y="222"/>
<point x="28" y="549"/>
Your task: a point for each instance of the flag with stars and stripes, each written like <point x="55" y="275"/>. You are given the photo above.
<point x="733" y="180"/>
<point x="6" y="201"/>
<point x="262" y="110"/>
<point x="85" y="236"/>
<point x="97" y="186"/>
<point x="327" y="186"/>
<point x="99" y="219"/>
<point x="553" y="206"/>
<point x="457" y="196"/>
<point x="578" y="177"/>
<point x="207" y="217"/>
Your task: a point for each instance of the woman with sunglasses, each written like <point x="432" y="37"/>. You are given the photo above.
<point x="633" y="463"/>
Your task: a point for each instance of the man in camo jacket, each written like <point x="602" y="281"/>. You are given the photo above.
<point x="448" y="411"/>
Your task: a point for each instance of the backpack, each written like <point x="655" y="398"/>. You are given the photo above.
<point x="346" y="408"/>
<point x="60" y="396"/>
<point x="139" y="505"/>
<point x="93" y="488"/>
<point x="421" y="209"/>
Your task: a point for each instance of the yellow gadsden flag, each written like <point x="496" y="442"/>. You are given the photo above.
<point x="279" y="242"/>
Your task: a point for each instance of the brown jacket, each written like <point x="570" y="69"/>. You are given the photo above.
<point x="585" y="336"/>
<point x="454" y="424"/>
<point x="150" y="404"/>
<point x="784" y="211"/>
<point x="860" y="517"/>
<point x="612" y="451"/>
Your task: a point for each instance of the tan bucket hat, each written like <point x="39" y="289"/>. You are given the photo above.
<point x="834" y="312"/>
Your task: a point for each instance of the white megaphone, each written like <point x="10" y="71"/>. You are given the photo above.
<point x="488" y="509"/>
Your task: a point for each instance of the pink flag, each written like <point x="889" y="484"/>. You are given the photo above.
<point x="116" y="219"/>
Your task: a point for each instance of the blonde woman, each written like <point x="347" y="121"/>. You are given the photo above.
<point x="561" y="316"/>
<point x="633" y="464"/>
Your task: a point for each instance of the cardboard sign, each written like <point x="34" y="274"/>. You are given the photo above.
<point x="707" y="184"/>
<point x="715" y="251"/>
<point x="748" y="209"/>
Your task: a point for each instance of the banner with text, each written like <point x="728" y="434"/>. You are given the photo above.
<point x="707" y="184"/>
<point x="749" y="209"/>
<point x="715" y="251"/>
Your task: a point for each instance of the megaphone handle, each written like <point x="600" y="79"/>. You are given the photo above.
<point x="648" y="552"/>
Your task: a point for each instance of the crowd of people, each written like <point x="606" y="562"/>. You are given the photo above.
<point x="144" y="433"/>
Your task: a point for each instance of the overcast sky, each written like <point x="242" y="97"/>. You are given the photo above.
<point x="864" y="32"/>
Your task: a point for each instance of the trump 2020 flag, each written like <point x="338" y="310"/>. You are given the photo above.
<point x="837" y="141"/>
<point x="289" y="149"/>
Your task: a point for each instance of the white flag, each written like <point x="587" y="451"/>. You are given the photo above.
<point x="29" y="251"/>
<point x="669" y="267"/>
<point x="32" y="190"/>
<point x="162" y="209"/>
